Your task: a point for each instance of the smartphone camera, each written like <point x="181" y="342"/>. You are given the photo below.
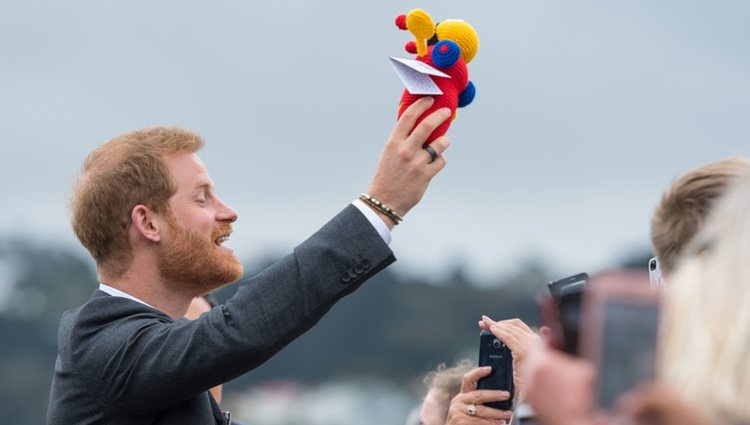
<point x="654" y="273"/>
<point x="496" y="344"/>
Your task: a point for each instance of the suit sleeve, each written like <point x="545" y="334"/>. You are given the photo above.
<point x="139" y="363"/>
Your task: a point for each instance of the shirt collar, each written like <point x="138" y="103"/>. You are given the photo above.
<point x="118" y="293"/>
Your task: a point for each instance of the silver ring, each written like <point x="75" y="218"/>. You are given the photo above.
<point x="431" y="151"/>
<point x="471" y="409"/>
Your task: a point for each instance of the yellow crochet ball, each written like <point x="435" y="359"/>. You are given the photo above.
<point x="420" y="24"/>
<point x="463" y="34"/>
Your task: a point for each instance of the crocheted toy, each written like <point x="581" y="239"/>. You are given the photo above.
<point x="448" y="47"/>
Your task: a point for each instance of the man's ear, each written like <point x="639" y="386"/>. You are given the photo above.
<point x="146" y="223"/>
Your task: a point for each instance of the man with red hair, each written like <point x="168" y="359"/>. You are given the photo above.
<point x="146" y="209"/>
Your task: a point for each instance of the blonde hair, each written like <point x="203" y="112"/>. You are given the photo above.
<point x="120" y="174"/>
<point x="705" y="340"/>
<point x="686" y="204"/>
<point x="448" y="379"/>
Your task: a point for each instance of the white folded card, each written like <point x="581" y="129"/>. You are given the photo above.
<point x="415" y="76"/>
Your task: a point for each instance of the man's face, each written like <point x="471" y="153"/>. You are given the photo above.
<point x="193" y="256"/>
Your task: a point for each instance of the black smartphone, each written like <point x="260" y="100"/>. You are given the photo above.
<point x="569" y="310"/>
<point x="575" y="281"/>
<point x="567" y="294"/>
<point x="493" y="352"/>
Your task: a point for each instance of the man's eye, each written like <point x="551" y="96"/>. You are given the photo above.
<point x="201" y="200"/>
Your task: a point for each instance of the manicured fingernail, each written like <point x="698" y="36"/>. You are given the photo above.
<point x="428" y="99"/>
<point x="487" y="319"/>
<point x="445" y="111"/>
<point x="505" y="394"/>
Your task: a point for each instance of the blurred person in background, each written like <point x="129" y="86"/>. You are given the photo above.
<point x="146" y="209"/>
<point x="684" y="206"/>
<point x="442" y="385"/>
<point x="198" y="306"/>
<point x="564" y="384"/>
<point x="691" y="199"/>
<point x="565" y="388"/>
<point x="705" y="333"/>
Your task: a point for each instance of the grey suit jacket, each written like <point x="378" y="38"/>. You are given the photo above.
<point x="121" y="362"/>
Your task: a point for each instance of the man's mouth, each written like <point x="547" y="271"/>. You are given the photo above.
<point x="221" y="239"/>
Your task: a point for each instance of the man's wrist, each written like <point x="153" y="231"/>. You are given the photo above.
<point x="379" y="221"/>
<point x="381" y="208"/>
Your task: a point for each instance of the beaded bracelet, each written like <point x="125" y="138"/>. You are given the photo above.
<point x="383" y="208"/>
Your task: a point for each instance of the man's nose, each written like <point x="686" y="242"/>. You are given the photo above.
<point x="226" y="213"/>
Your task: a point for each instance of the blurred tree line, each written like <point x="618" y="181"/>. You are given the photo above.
<point x="394" y="328"/>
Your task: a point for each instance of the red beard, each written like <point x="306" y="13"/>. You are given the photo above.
<point x="194" y="264"/>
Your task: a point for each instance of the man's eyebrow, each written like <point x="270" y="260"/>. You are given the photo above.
<point x="204" y="186"/>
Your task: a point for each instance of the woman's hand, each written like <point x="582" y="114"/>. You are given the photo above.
<point x="467" y="407"/>
<point x="519" y="337"/>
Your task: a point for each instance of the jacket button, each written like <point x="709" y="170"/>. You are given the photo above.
<point x="365" y="264"/>
<point x="345" y="278"/>
<point x="358" y="269"/>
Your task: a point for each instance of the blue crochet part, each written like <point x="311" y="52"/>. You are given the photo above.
<point x="445" y="53"/>
<point x="467" y="96"/>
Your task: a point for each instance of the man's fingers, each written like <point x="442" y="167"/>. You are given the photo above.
<point x="438" y="146"/>
<point x="420" y="134"/>
<point x="409" y="118"/>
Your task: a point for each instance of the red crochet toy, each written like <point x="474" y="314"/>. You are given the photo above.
<point x="448" y="47"/>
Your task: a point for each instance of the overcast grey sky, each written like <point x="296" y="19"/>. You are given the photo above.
<point x="585" y="111"/>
